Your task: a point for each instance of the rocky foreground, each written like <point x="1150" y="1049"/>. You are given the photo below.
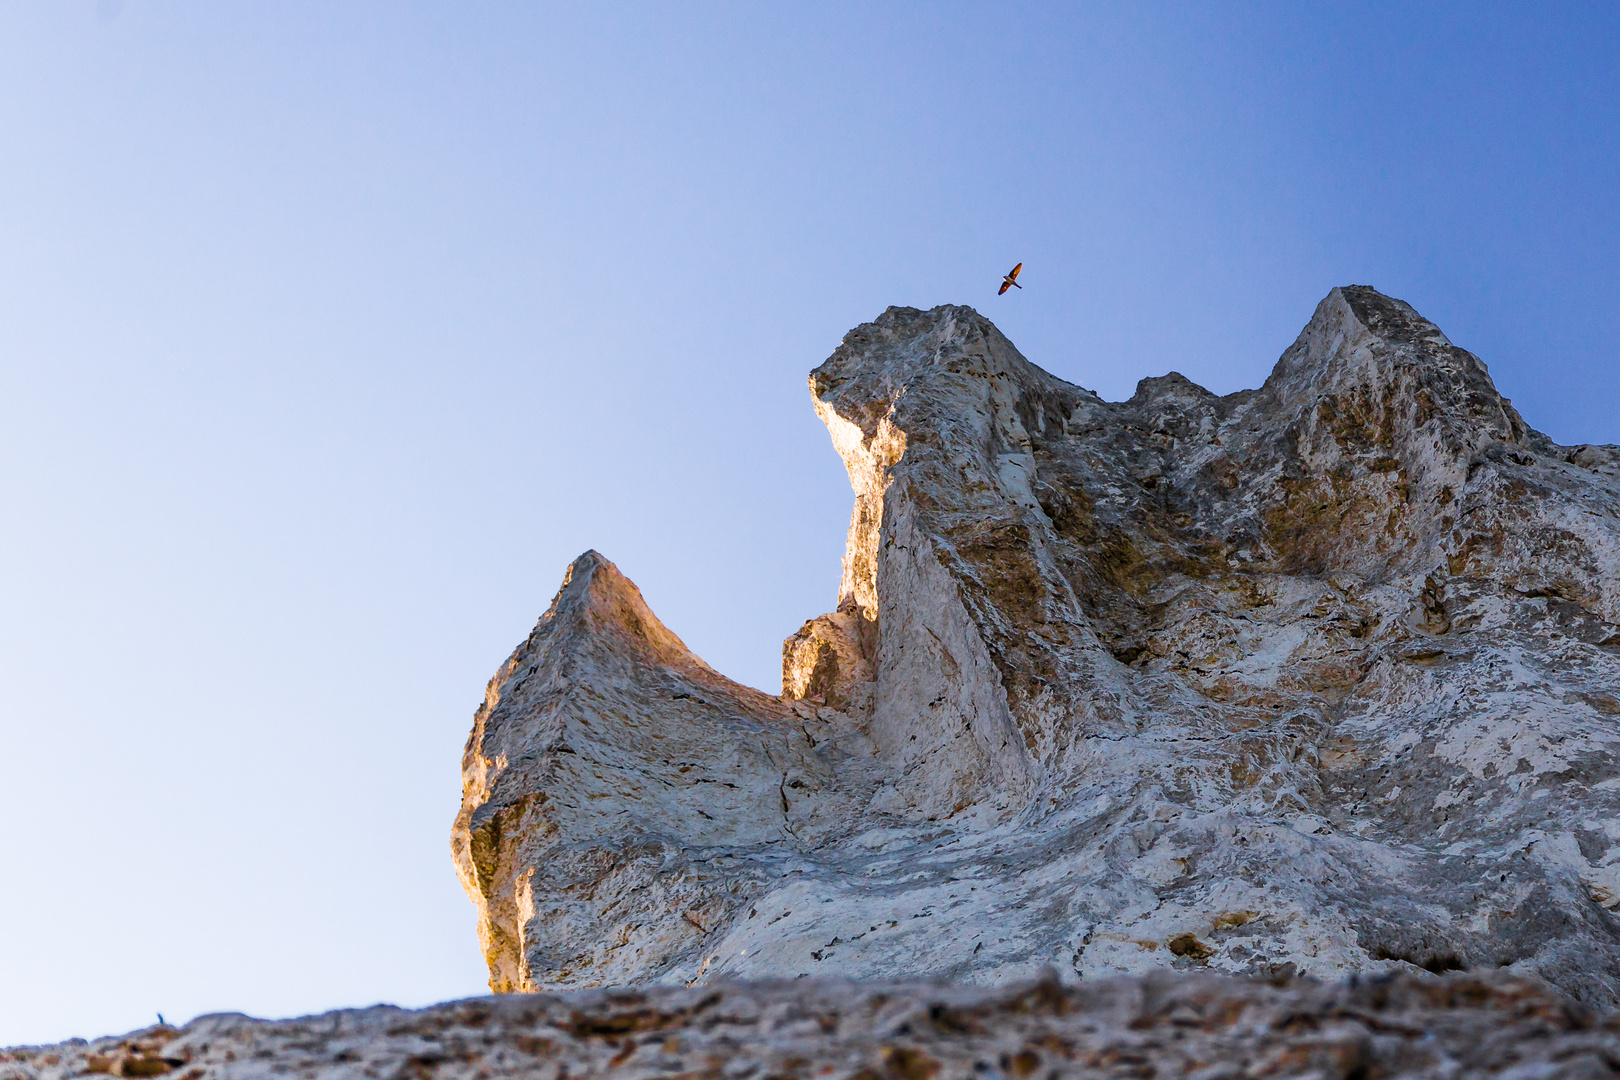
<point x="1163" y="1025"/>
<point x="1319" y="678"/>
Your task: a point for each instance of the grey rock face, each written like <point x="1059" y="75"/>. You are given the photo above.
<point x="1160" y="1025"/>
<point x="1321" y="677"/>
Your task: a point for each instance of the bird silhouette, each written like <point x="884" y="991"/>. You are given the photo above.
<point x="1011" y="280"/>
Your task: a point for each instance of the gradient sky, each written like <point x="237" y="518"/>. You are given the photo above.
<point x="331" y="332"/>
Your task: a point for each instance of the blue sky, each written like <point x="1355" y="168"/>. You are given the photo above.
<point x="331" y="332"/>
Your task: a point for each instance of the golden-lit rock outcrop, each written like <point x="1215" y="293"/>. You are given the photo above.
<point x="1321" y="677"/>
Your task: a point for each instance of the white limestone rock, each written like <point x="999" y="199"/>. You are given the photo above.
<point x="1321" y="677"/>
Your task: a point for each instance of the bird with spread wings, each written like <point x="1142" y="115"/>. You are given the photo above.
<point x="1011" y="280"/>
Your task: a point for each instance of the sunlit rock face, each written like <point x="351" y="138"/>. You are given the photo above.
<point x="1321" y="677"/>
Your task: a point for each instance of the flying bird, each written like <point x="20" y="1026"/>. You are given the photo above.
<point x="1011" y="280"/>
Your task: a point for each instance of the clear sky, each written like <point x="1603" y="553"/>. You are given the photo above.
<point x="331" y="332"/>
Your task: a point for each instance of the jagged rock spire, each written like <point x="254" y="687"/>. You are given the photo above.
<point x="1319" y="677"/>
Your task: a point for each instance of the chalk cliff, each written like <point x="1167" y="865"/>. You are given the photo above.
<point x="1322" y="677"/>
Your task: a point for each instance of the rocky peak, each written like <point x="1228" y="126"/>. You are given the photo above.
<point x="1316" y="677"/>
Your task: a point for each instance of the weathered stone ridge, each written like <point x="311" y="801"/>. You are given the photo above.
<point x="1323" y="676"/>
<point x="1201" y="1026"/>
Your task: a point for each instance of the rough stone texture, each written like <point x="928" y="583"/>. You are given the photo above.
<point x="1321" y="677"/>
<point x="1200" y="1026"/>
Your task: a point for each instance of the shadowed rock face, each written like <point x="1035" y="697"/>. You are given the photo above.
<point x="1322" y="677"/>
<point x="1205" y="1026"/>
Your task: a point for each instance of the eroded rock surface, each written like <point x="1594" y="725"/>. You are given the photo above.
<point x="1202" y="1026"/>
<point x="1321" y="677"/>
